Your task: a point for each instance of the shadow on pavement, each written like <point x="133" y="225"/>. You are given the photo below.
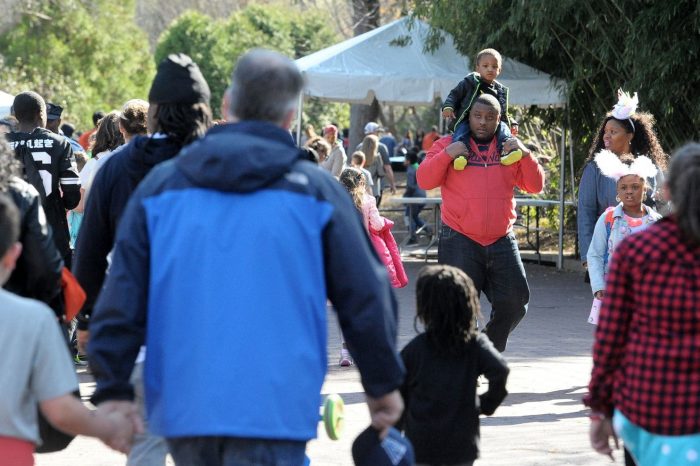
<point x="555" y="325"/>
<point x="569" y="396"/>
<point x="539" y="417"/>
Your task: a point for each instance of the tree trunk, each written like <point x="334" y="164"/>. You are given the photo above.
<point x="365" y="15"/>
<point x="360" y="115"/>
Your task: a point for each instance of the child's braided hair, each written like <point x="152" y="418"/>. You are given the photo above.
<point x="447" y="304"/>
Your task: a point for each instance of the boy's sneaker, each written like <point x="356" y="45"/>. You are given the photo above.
<point x="412" y="240"/>
<point x="80" y="360"/>
<point x="460" y="163"/>
<point x="425" y="231"/>
<point x="511" y="157"/>
<point x="345" y="359"/>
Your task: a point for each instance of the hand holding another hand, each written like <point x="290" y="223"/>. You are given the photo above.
<point x="385" y="411"/>
<point x="124" y="421"/>
<point x="456" y="149"/>
<point x="513" y="143"/>
<point x="121" y="432"/>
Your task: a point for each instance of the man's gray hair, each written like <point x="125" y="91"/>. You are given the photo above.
<point x="265" y="86"/>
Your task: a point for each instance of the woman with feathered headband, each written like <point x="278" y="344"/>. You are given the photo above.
<point x="629" y="216"/>
<point x="623" y="131"/>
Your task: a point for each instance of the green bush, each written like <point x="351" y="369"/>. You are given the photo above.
<point x="216" y="44"/>
<point x="82" y="55"/>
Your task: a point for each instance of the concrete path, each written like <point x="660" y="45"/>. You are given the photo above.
<point x="542" y="421"/>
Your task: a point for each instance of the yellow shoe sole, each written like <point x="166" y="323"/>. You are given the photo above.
<point x="512" y="157"/>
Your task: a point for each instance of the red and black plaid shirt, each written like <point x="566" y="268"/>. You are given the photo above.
<point x="646" y="356"/>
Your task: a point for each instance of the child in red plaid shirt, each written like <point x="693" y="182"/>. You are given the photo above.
<point x="645" y="385"/>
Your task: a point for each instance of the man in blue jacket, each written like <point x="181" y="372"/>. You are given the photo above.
<point x="222" y="264"/>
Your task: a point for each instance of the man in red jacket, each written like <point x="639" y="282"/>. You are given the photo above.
<point x="478" y="212"/>
<point x="430" y="138"/>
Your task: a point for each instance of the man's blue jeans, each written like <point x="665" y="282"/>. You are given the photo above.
<point x="496" y="270"/>
<point x="233" y="451"/>
<point x="414" y="221"/>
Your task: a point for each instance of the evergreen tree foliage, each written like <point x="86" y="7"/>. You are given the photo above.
<point x="216" y="44"/>
<point x="83" y="55"/>
<point x="596" y="47"/>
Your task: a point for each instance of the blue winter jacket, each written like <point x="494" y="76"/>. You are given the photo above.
<point x="222" y="264"/>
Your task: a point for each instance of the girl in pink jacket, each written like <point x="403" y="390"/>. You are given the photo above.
<point x="379" y="231"/>
<point x="378" y="228"/>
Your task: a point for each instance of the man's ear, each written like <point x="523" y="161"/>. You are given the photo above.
<point x="288" y="118"/>
<point x="9" y="260"/>
<point x="226" y="106"/>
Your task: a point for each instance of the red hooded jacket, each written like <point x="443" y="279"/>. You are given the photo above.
<point x="478" y="201"/>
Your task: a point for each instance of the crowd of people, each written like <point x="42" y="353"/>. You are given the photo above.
<point x="373" y="158"/>
<point x="189" y="240"/>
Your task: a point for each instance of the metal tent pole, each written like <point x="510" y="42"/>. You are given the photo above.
<point x="300" y="108"/>
<point x="562" y="173"/>
<point x="574" y="197"/>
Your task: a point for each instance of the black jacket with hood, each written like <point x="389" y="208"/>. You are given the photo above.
<point x="110" y="192"/>
<point x="463" y="95"/>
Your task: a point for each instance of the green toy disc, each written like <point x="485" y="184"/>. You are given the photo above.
<point x="334" y="416"/>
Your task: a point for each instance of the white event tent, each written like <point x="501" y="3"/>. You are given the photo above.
<point x="6" y="101"/>
<point x="390" y="64"/>
<point x="372" y="65"/>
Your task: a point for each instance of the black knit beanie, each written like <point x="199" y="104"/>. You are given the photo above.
<point x="179" y="81"/>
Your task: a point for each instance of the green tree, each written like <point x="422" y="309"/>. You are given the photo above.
<point x="83" y="55"/>
<point x="596" y="47"/>
<point x="203" y="39"/>
<point x="216" y="44"/>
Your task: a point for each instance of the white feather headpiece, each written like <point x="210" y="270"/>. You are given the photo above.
<point x="611" y="166"/>
<point x="625" y="106"/>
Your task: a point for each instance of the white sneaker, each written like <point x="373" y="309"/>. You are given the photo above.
<point x="345" y="359"/>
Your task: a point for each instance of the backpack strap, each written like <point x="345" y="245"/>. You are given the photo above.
<point x="609" y="220"/>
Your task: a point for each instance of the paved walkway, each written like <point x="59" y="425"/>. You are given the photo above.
<point x="542" y="421"/>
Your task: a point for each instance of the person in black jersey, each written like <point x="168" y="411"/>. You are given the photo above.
<point x="48" y="164"/>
